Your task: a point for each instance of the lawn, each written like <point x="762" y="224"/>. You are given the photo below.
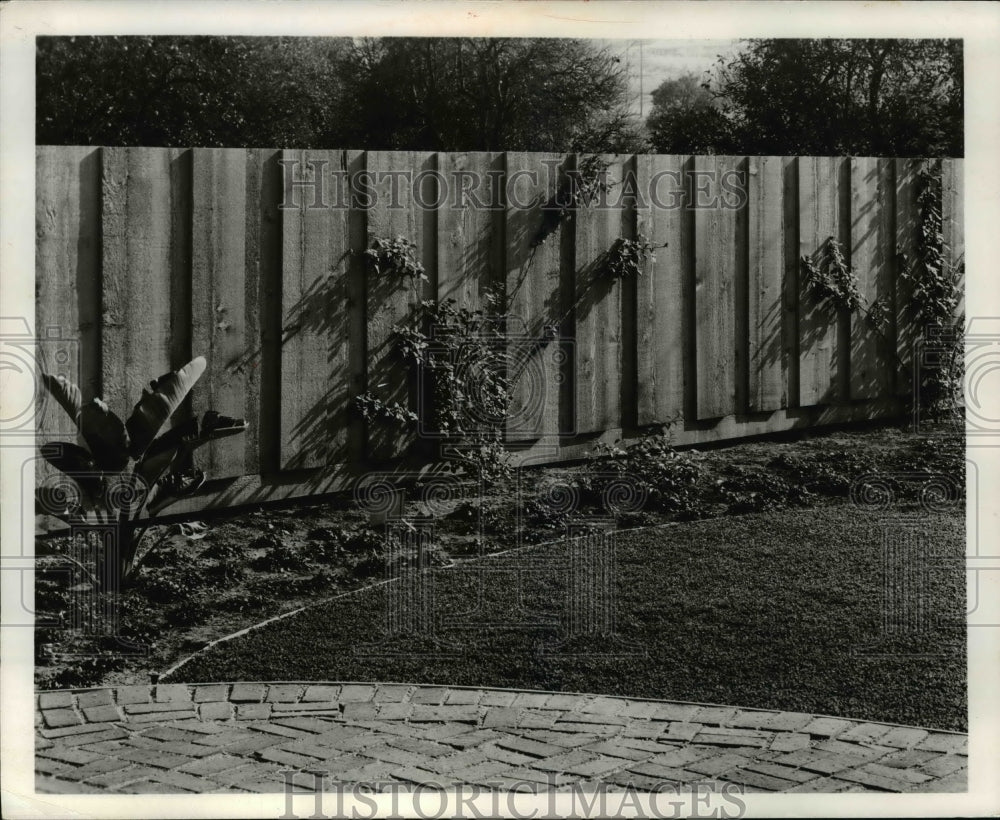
<point x="779" y="610"/>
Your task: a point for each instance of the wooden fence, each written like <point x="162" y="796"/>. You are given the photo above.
<point x="146" y="256"/>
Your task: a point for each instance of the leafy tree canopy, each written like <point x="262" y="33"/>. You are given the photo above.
<point x="388" y="93"/>
<point x="820" y="97"/>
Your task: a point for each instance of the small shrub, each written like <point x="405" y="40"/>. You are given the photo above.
<point x="227" y="571"/>
<point x="670" y="477"/>
<point x="225" y="551"/>
<point x="280" y="557"/>
<point x="749" y="490"/>
<point x="174" y="583"/>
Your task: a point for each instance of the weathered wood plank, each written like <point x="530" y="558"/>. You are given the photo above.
<point x="819" y="220"/>
<point x="67" y="275"/>
<point x="390" y="300"/>
<point x="872" y="190"/>
<point x="953" y="219"/>
<point x="316" y="397"/>
<point x="766" y="238"/>
<point x="220" y="330"/>
<point x="535" y="300"/>
<point x="470" y="227"/>
<point x="262" y="361"/>
<point x="907" y="257"/>
<point x="597" y="306"/>
<point x="661" y="315"/>
<point x="146" y="299"/>
<point x="719" y="251"/>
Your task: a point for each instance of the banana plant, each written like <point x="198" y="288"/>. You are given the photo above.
<point x="128" y="471"/>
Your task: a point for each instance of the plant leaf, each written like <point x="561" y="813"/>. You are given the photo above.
<point x="76" y="462"/>
<point x="159" y="401"/>
<point x="66" y="393"/>
<point x="105" y="435"/>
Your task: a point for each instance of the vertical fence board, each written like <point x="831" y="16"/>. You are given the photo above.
<point x="396" y="211"/>
<point x="315" y="396"/>
<point x="597" y="307"/>
<point x="718" y="255"/>
<point x="907" y="252"/>
<point x="766" y="237"/>
<point x="264" y="250"/>
<point x="469" y="227"/>
<point x="67" y="275"/>
<point x="872" y="191"/>
<point x="535" y="302"/>
<point x="953" y="219"/>
<point x="146" y="224"/>
<point x="219" y="301"/>
<point x="666" y="222"/>
<point x="819" y="220"/>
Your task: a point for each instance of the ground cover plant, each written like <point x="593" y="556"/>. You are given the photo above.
<point x="781" y="610"/>
<point x="201" y="581"/>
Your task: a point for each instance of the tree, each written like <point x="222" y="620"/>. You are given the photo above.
<point x="482" y="94"/>
<point x="687" y="118"/>
<point x="459" y="94"/>
<point x="187" y="91"/>
<point x="846" y="97"/>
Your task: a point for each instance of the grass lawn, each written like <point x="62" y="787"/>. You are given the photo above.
<point x="778" y="610"/>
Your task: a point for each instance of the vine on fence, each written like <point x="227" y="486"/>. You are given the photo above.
<point x="935" y="294"/>
<point x="395" y="257"/>
<point x="832" y="279"/>
<point x="459" y="358"/>
<point x="627" y="258"/>
<point x="581" y="186"/>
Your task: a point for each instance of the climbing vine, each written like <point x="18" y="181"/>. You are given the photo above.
<point x="395" y="257"/>
<point x="627" y="258"/>
<point x="581" y="186"/>
<point x="935" y="294"/>
<point x="832" y="279"/>
<point x="458" y="357"/>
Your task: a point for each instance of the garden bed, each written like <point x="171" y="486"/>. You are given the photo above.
<point x="199" y="583"/>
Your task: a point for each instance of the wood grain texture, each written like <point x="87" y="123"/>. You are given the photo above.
<point x="819" y="219"/>
<point x="469" y="227"/>
<point x="220" y="331"/>
<point x="719" y="253"/>
<point x="316" y="395"/>
<point x="872" y="257"/>
<point x="766" y="237"/>
<point x="953" y="220"/>
<point x="536" y="303"/>
<point x="146" y="287"/>
<point x="597" y="305"/>
<point x="68" y="274"/>
<point x="661" y="317"/>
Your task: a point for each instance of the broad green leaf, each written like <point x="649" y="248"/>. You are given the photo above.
<point x="159" y="401"/>
<point x="105" y="435"/>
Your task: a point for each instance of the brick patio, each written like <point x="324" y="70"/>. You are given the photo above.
<point x="246" y="737"/>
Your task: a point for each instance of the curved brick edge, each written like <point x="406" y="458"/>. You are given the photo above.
<point x="243" y="736"/>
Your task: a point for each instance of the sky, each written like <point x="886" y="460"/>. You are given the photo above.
<point x="664" y="60"/>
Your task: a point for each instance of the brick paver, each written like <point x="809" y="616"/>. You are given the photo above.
<point x="176" y="738"/>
